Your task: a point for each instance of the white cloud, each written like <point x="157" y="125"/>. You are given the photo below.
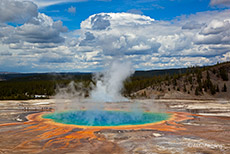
<point x="216" y="27"/>
<point x="220" y="2"/>
<point x="17" y="11"/>
<point x="135" y="11"/>
<point x="40" y="29"/>
<point x="72" y="10"/>
<point x="202" y="36"/>
<point x="24" y="46"/>
<point x="216" y="32"/>
<point x="118" y="34"/>
<point x="226" y="57"/>
<point x="102" y="21"/>
<point x="45" y="3"/>
<point x="51" y="57"/>
<point x="5" y="53"/>
<point x="41" y="44"/>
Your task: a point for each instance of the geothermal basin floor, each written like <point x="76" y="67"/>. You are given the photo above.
<point x="198" y="126"/>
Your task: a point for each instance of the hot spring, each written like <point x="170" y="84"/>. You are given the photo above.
<point x="105" y="94"/>
<point x="106" y="117"/>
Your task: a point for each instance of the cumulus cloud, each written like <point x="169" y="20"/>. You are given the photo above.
<point x="100" y="22"/>
<point x="115" y="20"/>
<point x="192" y="25"/>
<point x="216" y="27"/>
<point x="226" y="57"/>
<point x="54" y="58"/>
<point x="216" y="32"/>
<point x="36" y="27"/>
<point x="118" y="34"/>
<point x="198" y="39"/>
<point x="203" y="35"/>
<point x="26" y="45"/>
<point x="17" y="11"/>
<point x="220" y="2"/>
<point x="40" y="29"/>
<point x="5" y="53"/>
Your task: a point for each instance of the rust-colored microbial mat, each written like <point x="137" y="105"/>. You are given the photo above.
<point x="40" y="135"/>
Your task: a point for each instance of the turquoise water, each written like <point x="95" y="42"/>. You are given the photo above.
<point x="106" y="118"/>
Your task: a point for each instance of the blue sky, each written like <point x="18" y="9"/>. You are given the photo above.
<point x="159" y="10"/>
<point x="85" y="35"/>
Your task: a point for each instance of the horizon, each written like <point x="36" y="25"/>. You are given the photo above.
<point x="160" y="69"/>
<point x="86" y="35"/>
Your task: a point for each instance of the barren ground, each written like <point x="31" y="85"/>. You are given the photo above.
<point x="207" y="132"/>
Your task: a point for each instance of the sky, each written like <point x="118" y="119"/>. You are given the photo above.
<point x="85" y="35"/>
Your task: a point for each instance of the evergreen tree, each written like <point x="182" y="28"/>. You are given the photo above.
<point x="223" y="74"/>
<point x="224" y="89"/>
<point x="214" y="71"/>
<point x="190" y="79"/>
<point x="185" y="88"/>
<point x="217" y="89"/>
<point x="199" y="76"/>
<point x="213" y="89"/>
<point x="208" y="75"/>
<point x="197" y="91"/>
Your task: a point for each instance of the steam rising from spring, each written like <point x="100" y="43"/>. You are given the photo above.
<point x="107" y="88"/>
<point x="109" y="83"/>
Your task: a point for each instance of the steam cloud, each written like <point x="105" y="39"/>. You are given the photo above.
<point x="109" y="83"/>
<point x="107" y="88"/>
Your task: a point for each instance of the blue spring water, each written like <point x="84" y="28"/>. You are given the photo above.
<point x="106" y="118"/>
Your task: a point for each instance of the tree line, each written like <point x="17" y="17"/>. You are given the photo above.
<point x="194" y="79"/>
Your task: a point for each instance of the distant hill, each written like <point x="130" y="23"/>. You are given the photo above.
<point x="73" y="75"/>
<point x="41" y="76"/>
<point x="193" y="83"/>
<point x="151" y="73"/>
